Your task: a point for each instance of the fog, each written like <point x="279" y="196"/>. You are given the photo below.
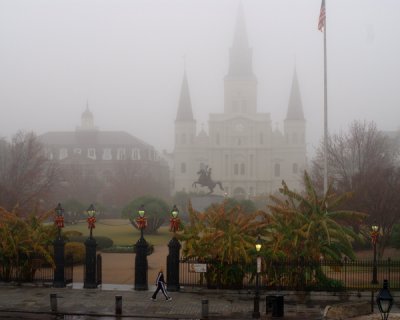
<point x="126" y="60"/>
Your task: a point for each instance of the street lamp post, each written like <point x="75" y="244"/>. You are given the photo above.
<point x="384" y="300"/>
<point x="59" y="245"/>
<point x="256" y="311"/>
<point x="141" y="246"/>
<point x="173" y="256"/>
<point x="374" y="239"/>
<point x="90" y="246"/>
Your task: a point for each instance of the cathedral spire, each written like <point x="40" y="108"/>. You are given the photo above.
<point x="240" y="62"/>
<point x="295" y="106"/>
<point x="185" y="112"/>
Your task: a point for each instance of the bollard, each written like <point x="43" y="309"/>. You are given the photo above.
<point x="204" y="309"/>
<point x="118" y="304"/>
<point x="53" y="302"/>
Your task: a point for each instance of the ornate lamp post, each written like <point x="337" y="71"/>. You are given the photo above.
<point x="384" y="300"/>
<point x="90" y="280"/>
<point x="173" y="256"/>
<point x="59" y="245"/>
<point x="374" y="240"/>
<point x="141" y="265"/>
<point x="256" y="311"/>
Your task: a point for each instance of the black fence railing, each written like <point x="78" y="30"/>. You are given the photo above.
<point x="99" y="274"/>
<point x="36" y="269"/>
<point x="322" y="275"/>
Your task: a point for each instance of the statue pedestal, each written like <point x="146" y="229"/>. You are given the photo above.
<point x="201" y="203"/>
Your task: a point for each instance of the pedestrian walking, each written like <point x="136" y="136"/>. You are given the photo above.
<point x="161" y="285"/>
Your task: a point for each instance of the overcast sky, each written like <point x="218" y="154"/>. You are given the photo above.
<point x="125" y="57"/>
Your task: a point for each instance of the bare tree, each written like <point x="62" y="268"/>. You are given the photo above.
<point x="132" y="179"/>
<point x="364" y="161"/>
<point x="26" y="175"/>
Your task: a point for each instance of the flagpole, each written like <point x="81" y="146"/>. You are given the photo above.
<point x="325" y="113"/>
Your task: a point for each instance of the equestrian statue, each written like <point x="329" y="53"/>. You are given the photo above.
<point x="206" y="181"/>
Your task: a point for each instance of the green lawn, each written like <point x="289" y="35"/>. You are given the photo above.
<point x="121" y="232"/>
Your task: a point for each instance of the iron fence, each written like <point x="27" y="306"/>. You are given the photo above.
<point x="321" y="275"/>
<point x="36" y="269"/>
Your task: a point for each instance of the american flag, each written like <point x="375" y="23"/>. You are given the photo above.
<point x="322" y="17"/>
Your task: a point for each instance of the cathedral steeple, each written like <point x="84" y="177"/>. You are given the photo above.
<point x="185" y="112"/>
<point x="295" y="106"/>
<point x="240" y="54"/>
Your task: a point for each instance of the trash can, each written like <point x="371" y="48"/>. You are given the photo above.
<point x="275" y="303"/>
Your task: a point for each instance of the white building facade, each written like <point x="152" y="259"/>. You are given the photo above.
<point x="245" y="153"/>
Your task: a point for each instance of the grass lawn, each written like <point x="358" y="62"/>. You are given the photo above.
<point x="121" y="232"/>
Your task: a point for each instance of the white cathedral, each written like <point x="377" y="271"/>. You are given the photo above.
<point x="245" y="153"/>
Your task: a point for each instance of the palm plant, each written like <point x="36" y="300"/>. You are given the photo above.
<point x="311" y="226"/>
<point x="225" y="237"/>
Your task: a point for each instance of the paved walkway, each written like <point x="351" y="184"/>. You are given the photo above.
<point x="29" y="302"/>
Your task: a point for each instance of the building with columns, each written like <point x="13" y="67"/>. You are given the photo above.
<point x="245" y="152"/>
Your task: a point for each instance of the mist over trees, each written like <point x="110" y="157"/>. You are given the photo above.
<point x="27" y="177"/>
<point x="364" y="161"/>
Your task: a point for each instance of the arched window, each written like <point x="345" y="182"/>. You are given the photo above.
<point x="236" y="169"/>
<point x="183" y="167"/>
<point x="277" y="170"/>
<point x="295" y="168"/>
<point x="242" y="171"/>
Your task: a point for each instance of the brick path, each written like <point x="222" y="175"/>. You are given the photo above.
<point x="100" y="303"/>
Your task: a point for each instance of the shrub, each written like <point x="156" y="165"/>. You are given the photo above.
<point x="157" y="212"/>
<point x="119" y="249"/>
<point x="102" y="242"/>
<point x="77" y="250"/>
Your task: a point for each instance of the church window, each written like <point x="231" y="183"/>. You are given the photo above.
<point x="277" y="170"/>
<point x="261" y="138"/>
<point x="135" y="154"/>
<point x="91" y="153"/>
<point x="77" y="151"/>
<point x="63" y="153"/>
<point x="242" y="169"/>
<point x="295" y="168"/>
<point x="183" y="138"/>
<point x="107" y="154"/>
<point x="239" y="141"/>
<point x="236" y="169"/>
<point x="121" y="154"/>
<point x="251" y="164"/>
<point x="183" y="167"/>
<point x="217" y="139"/>
<point x="226" y="164"/>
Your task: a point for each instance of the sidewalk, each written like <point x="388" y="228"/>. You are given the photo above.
<point x="28" y="302"/>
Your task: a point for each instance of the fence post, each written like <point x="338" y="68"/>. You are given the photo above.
<point x="59" y="279"/>
<point x="53" y="302"/>
<point x="118" y="305"/>
<point x="173" y="265"/>
<point x="204" y="309"/>
<point x="99" y="275"/>
<point x="90" y="264"/>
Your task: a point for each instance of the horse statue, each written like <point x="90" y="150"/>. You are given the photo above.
<point x="206" y="181"/>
